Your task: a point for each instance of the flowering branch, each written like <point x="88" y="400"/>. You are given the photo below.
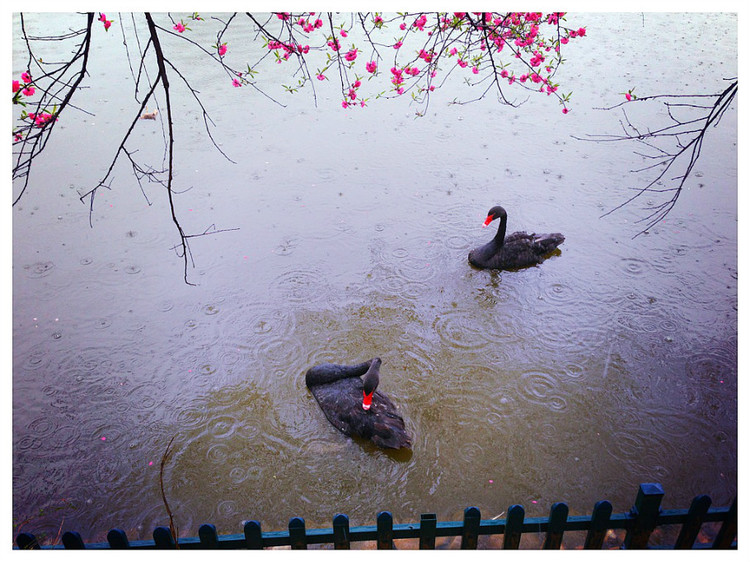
<point x="496" y="50"/>
<point x="56" y="84"/>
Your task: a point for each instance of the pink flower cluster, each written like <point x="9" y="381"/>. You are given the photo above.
<point x="41" y="119"/>
<point x="287" y="48"/>
<point x="521" y="33"/>
<point x="27" y="90"/>
<point x="308" y="26"/>
<point x="107" y="23"/>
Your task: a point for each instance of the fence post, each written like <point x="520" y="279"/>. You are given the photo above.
<point x="692" y="525"/>
<point x="341" y="532"/>
<point x="297" y="538"/>
<point x="163" y="538"/>
<point x="385" y="530"/>
<point x="728" y="529"/>
<point x="207" y="535"/>
<point x="599" y="525"/>
<point x="253" y="535"/>
<point x="558" y="515"/>
<point x="513" y="527"/>
<point x="427" y="528"/>
<point x="117" y="539"/>
<point x="644" y="513"/>
<point x="72" y="541"/>
<point x="470" y="534"/>
<point x="27" y="541"/>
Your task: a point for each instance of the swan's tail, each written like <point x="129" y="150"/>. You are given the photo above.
<point x="548" y="242"/>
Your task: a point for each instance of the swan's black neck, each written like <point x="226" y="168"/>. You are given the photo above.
<point x="500" y="236"/>
<point x="326" y="373"/>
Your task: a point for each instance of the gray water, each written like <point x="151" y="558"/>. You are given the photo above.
<point x="611" y="364"/>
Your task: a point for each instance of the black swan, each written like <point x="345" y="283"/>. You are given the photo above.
<point x="354" y="406"/>
<point x="515" y="251"/>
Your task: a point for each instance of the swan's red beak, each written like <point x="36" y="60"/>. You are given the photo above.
<point x="367" y="400"/>
<point x="488" y="220"/>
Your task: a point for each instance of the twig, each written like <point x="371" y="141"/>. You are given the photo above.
<point x="172" y="527"/>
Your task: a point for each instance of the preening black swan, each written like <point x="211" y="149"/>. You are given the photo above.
<point x="515" y="251"/>
<point x="354" y="406"/>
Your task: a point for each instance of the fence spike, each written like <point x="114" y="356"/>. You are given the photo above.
<point x="470" y="535"/>
<point x="599" y="525"/>
<point x="27" y="541"/>
<point x="253" y="535"/>
<point x="558" y="515"/>
<point x="163" y="538"/>
<point x="728" y="530"/>
<point x="117" y="539"/>
<point x="72" y="541"/>
<point x="297" y="537"/>
<point x="513" y="527"/>
<point x="207" y="535"/>
<point x="692" y="526"/>
<point x="427" y="531"/>
<point x="385" y="530"/>
<point x="644" y="514"/>
<point x="341" y="532"/>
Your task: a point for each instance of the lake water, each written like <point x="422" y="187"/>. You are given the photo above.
<point x="611" y="364"/>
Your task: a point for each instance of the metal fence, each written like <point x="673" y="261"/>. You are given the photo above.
<point x="638" y="524"/>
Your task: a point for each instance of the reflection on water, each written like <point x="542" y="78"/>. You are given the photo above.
<point x="612" y="363"/>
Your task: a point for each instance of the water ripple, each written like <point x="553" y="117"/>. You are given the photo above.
<point x="457" y="328"/>
<point x="541" y="388"/>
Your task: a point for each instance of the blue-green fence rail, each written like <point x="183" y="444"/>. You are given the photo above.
<point x="639" y="523"/>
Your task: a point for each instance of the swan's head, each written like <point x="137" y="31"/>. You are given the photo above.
<point x="370" y="383"/>
<point x="495" y="212"/>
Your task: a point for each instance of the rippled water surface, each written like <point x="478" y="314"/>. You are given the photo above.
<point x="611" y="364"/>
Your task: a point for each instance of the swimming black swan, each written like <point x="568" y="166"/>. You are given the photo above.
<point x="515" y="251"/>
<point x="353" y="405"/>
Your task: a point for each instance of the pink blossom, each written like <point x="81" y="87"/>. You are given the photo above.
<point x="475" y="70"/>
<point x="352" y="94"/>
<point x="105" y="21"/>
<point x="236" y="83"/>
<point x="453" y="51"/>
<point x="26" y="77"/>
<point x="320" y="77"/>
<point x="628" y="96"/>
<point x="16" y="86"/>
<point x="28" y="91"/>
<point x="371" y="67"/>
<point x="345" y="104"/>
<point x="402" y="27"/>
<point x="565" y="110"/>
<point x="397" y="45"/>
<point x="351" y="55"/>
<point x="582" y="32"/>
<point x="180" y="27"/>
<point x="222" y="49"/>
<point x="343" y="33"/>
